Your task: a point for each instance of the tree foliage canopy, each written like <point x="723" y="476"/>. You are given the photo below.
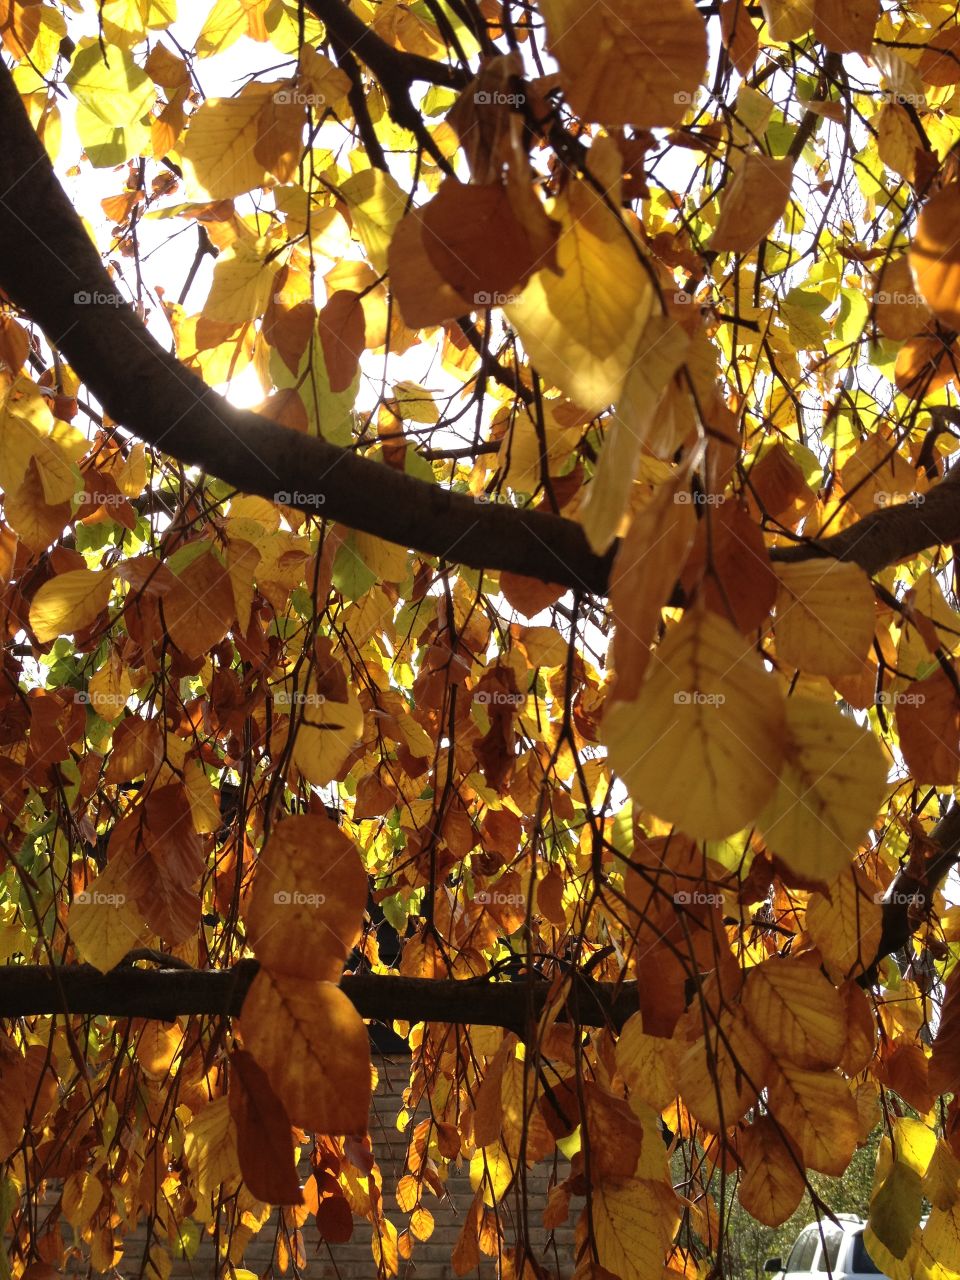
<point x="558" y="662"/>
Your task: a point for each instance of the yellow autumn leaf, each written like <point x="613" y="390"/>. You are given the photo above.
<point x="634" y="1223"/>
<point x="217" y="153"/>
<point x="846" y="922"/>
<point x="846" y="26"/>
<point x="210" y="1148"/>
<point x="646" y="569"/>
<point x="795" y="1011"/>
<point x="69" y="603"/>
<point x="897" y="1203"/>
<point x="377" y="203"/>
<point x="702" y="743"/>
<point x="772" y="1183"/>
<point x="831" y="787"/>
<point x="935" y="254"/>
<point x="660" y="352"/>
<point x="824" y="617"/>
<point x="580" y="325"/>
<point x="753" y="203"/>
<point x="327" y="729"/>
<point x="648" y="1064"/>
<point x="721" y="1074"/>
<point x="818" y="1111"/>
<point x="628" y="62"/>
<point x="308" y="899"/>
<point x="241" y="283"/>
<point x="788" y="19"/>
<point x="313" y="1045"/>
<point x="104" y="922"/>
<point x="203" y="797"/>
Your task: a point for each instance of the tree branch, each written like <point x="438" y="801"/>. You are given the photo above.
<point x="890" y="533"/>
<point x="910" y="893"/>
<point x="27" y="990"/>
<point x="47" y="260"/>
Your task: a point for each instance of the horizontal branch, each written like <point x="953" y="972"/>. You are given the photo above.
<point x="890" y="533"/>
<point x="47" y="260"/>
<point x="165" y="994"/>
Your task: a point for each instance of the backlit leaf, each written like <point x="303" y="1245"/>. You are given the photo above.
<point x="701" y="744"/>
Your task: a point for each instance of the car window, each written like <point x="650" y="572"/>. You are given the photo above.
<point x="801" y="1256"/>
<point x="832" y="1236"/>
<point x="862" y="1263"/>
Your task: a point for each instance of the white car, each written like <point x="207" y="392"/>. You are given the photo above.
<point x="826" y="1250"/>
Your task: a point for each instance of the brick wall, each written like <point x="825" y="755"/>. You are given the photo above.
<point x="430" y="1259"/>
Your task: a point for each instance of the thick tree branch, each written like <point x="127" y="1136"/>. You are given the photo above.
<point x="908" y="898"/>
<point x="890" y="533"/>
<point x="394" y="68"/>
<point x="47" y="261"/>
<point x="168" y="993"/>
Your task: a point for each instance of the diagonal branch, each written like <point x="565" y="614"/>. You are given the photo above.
<point x="47" y="260"/>
<point x="910" y="894"/>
